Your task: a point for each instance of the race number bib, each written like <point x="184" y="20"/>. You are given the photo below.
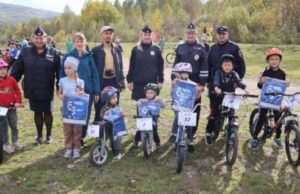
<point x="187" y="119"/>
<point x="93" y="131"/>
<point x="231" y="101"/>
<point x="144" y="124"/>
<point x="3" y="111"/>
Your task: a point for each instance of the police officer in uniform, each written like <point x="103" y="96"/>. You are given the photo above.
<point x="40" y="66"/>
<point x="223" y="46"/>
<point x="146" y="65"/>
<point x="194" y="53"/>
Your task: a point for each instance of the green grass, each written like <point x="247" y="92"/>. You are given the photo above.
<point x="42" y="169"/>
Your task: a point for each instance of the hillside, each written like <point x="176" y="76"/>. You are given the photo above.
<point x="11" y="14"/>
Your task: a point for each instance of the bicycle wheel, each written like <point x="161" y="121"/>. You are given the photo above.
<point x="231" y="145"/>
<point x="252" y="120"/>
<point x="98" y="156"/>
<point x="147" y="146"/>
<point x="292" y="144"/>
<point x="181" y="151"/>
<point x="219" y="126"/>
<point x="170" y="57"/>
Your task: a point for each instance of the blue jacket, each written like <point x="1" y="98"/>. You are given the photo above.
<point x="87" y="71"/>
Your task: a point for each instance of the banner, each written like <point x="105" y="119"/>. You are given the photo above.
<point x="149" y="108"/>
<point x="115" y="116"/>
<point x="75" y="109"/>
<point x="184" y="93"/>
<point x="272" y="102"/>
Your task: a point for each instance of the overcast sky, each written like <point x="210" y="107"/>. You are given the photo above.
<point x="52" y="5"/>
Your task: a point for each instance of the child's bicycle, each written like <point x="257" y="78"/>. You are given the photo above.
<point x="185" y="119"/>
<point x="99" y="152"/>
<point x="286" y="117"/>
<point x="227" y="121"/>
<point x="148" y="114"/>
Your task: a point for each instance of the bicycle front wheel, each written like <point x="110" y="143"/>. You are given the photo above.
<point x="147" y="148"/>
<point x="231" y="145"/>
<point x="98" y="155"/>
<point x="181" y="151"/>
<point x="292" y="144"/>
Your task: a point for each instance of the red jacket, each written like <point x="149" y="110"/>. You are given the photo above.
<point x="9" y="91"/>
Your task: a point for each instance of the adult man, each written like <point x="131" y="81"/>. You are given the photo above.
<point x="194" y="53"/>
<point x="223" y="46"/>
<point x="40" y="65"/>
<point x="108" y="59"/>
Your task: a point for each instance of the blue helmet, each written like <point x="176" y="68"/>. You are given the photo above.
<point x="108" y="92"/>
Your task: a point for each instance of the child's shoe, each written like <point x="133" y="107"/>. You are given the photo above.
<point x="68" y="153"/>
<point x="76" y="153"/>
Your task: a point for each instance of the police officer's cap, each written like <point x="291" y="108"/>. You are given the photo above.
<point x="39" y="32"/>
<point x="222" y="29"/>
<point x="191" y="27"/>
<point x="147" y="29"/>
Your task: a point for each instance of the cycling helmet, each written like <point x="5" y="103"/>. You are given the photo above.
<point x="183" y="67"/>
<point x="3" y="63"/>
<point x="273" y="51"/>
<point x="108" y="92"/>
<point x="152" y="86"/>
<point x="228" y="57"/>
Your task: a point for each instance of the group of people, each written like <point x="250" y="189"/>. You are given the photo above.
<point x="99" y="73"/>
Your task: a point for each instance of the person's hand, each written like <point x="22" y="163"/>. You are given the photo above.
<point x="143" y="100"/>
<point x="17" y="105"/>
<point x="157" y="98"/>
<point x="288" y="83"/>
<point x="263" y="79"/>
<point x="122" y="85"/>
<point x="61" y="96"/>
<point x="96" y="98"/>
<point x="130" y="86"/>
<point x="57" y="93"/>
<point x="218" y="91"/>
<point x="159" y="85"/>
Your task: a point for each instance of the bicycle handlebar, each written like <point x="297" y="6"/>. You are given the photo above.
<point x="242" y="95"/>
<point x="280" y="93"/>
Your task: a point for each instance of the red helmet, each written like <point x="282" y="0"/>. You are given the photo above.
<point x="273" y="51"/>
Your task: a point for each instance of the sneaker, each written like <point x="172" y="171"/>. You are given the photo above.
<point x="48" y="140"/>
<point x="208" y="139"/>
<point x="278" y="143"/>
<point x="135" y="145"/>
<point x="253" y="144"/>
<point x="118" y="156"/>
<point x="68" y="153"/>
<point x="76" y="153"/>
<point x="157" y="146"/>
<point x="172" y="138"/>
<point x="38" y="141"/>
<point x="8" y="149"/>
<point x="83" y="145"/>
<point x="17" y="146"/>
<point x="191" y="148"/>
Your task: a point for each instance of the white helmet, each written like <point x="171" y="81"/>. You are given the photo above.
<point x="183" y="67"/>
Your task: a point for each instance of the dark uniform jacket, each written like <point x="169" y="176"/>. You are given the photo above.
<point x="229" y="82"/>
<point x="194" y="53"/>
<point x="99" y="58"/>
<point x="39" y="72"/>
<point x="215" y="54"/>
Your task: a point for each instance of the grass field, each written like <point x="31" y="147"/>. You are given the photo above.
<point x="42" y="169"/>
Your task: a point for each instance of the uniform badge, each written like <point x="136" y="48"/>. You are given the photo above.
<point x="152" y="53"/>
<point x="196" y="57"/>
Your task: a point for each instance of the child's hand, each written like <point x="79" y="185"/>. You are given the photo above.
<point x="263" y="79"/>
<point x="157" y="98"/>
<point x="288" y="83"/>
<point x="218" y="91"/>
<point x="143" y="100"/>
<point x="61" y="96"/>
<point x="17" y="105"/>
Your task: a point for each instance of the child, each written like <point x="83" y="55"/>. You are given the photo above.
<point x="109" y="96"/>
<point x="225" y="80"/>
<point x="11" y="98"/>
<point x="181" y="71"/>
<point x="273" y="57"/>
<point x="151" y="91"/>
<point x="71" y="84"/>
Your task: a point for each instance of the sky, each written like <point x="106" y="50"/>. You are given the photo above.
<point x="53" y="5"/>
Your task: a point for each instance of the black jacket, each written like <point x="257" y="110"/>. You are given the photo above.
<point x="228" y="83"/>
<point x="277" y="74"/>
<point x="39" y="72"/>
<point x="193" y="53"/>
<point x="215" y="54"/>
<point x="99" y="58"/>
<point x="146" y="65"/>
